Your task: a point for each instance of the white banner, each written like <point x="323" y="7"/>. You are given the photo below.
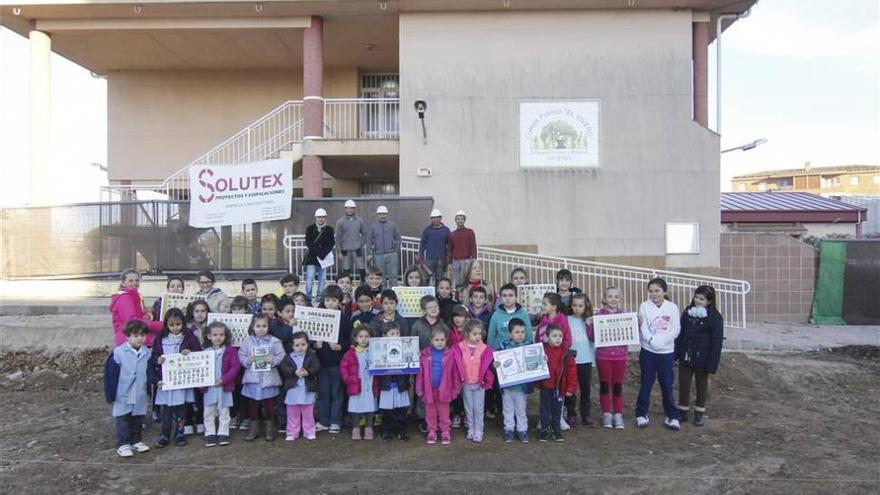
<point x="521" y="365"/>
<point x="531" y="296"/>
<point x="408" y="300"/>
<point x="318" y="323"/>
<point x="616" y="329"/>
<point x="238" y="324"/>
<point x="192" y="370"/>
<point x="240" y="194"/>
<point x="559" y="134"/>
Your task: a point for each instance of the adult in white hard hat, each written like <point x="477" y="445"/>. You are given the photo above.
<point x="462" y="249"/>
<point x="383" y="246"/>
<point x="351" y="236"/>
<point x="433" y="248"/>
<point x="319" y="248"/>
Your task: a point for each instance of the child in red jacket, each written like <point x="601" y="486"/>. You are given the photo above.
<point x="362" y="389"/>
<point x="218" y="399"/>
<point x="561" y="383"/>
<point x="437" y="384"/>
<point x="474" y="361"/>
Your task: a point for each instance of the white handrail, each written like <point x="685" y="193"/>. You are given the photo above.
<point x="591" y="276"/>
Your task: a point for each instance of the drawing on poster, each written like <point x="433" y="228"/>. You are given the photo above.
<point x="520" y="365"/>
<point x="408" y="300"/>
<point x="192" y="370"/>
<point x="616" y="329"/>
<point x="262" y="358"/>
<point x="393" y="355"/>
<point x="531" y="296"/>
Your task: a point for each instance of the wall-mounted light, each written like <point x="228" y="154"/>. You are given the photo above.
<point x="138" y="9"/>
<point x="16" y="11"/>
<point x="383" y="5"/>
<point x="421" y="106"/>
<point x="258" y="7"/>
<point x="505" y="4"/>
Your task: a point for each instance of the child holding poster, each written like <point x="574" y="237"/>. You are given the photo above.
<point x="260" y="354"/>
<point x="393" y="398"/>
<point x="174" y="339"/>
<point x="330" y="393"/>
<point x="581" y="324"/>
<point x="125" y="388"/>
<point x="174" y="285"/>
<point x="362" y="388"/>
<point x="218" y="399"/>
<point x="474" y="361"/>
<point x="437" y="384"/>
<point x="659" y="326"/>
<point x="514" y="398"/>
<point x="299" y="369"/>
<point x="551" y="308"/>
<point x="197" y="318"/>
<point x="611" y="363"/>
<point x="561" y="383"/>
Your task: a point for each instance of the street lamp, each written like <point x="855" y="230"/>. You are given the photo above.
<point x="746" y="147"/>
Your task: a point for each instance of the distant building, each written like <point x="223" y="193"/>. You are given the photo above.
<point x="849" y="179"/>
<point x="793" y="213"/>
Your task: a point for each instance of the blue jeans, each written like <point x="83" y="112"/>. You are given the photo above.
<point x="660" y="367"/>
<point x="330" y="396"/>
<point x="311" y="271"/>
<point x="551" y="410"/>
<point x="128" y="429"/>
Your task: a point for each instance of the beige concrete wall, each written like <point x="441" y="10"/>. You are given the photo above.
<point x="657" y="165"/>
<point x="161" y="120"/>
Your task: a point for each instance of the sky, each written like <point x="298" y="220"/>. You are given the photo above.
<point x="803" y="74"/>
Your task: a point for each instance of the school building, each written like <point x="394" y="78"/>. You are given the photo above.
<point x="566" y="127"/>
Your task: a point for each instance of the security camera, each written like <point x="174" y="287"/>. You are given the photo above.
<point x="421" y="106"/>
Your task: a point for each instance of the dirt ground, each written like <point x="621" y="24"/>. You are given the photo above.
<point x="779" y="423"/>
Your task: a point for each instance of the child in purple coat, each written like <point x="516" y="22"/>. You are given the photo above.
<point x="218" y="399"/>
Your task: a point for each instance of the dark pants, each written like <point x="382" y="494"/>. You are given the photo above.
<point x="585" y="375"/>
<point x="173" y="418"/>
<point x="551" y="410"/>
<point x="281" y="408"/>
<point x="456" y="407"/>
<point x="128" y="429"/>
<point x="330" y="396"/>
<point x="657" y="367"/>
<point x="265" y="407"/>
<point x="685" y="375"/>
<point x="394" y="421"/>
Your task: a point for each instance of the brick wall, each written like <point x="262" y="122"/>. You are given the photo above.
<point x="781" y="269"/>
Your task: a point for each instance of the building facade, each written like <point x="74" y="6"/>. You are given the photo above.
<point x="825" y="181"/>
<point x="571" y="128"/>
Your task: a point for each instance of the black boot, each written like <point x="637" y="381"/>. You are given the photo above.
<point x="699" y="420"/>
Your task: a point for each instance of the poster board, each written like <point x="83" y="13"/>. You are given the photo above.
<point x="521" y="365"/>
<point x="179" y="301"/>
<point x="530" y="296"/>
<point x="238" y="324"/>
<point x="556" y="134"/>
<point x="318" y="323"/>
<point x="192" y="370"/>
<point x="393" y="355"/>
<point x="616" y="329"/>
<point x="261" y="358"/>
<point x="408" y="300"/>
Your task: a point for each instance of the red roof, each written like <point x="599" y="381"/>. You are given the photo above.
<point x="774" y="207"/>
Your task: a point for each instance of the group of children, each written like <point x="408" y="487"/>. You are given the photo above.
<point x="311" y="387"/>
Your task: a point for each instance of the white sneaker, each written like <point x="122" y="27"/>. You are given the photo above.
<point x="140" y="447"/>
<point x="200" y="429"/>
<point x="124" y="451"/>
<point x="563" y="425"/>
<point x="607" y="421"/>
<point x="618" y="421"/>
<point x="245" y="424"/>
<point x="188" y="430"/>
<point x="672" y="424"/>
<point x="642" y="421"/>
<point x="335" y="429"/>
<point x="320" y="427"/>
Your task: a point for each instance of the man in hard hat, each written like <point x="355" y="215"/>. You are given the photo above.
<point x="384" y="246"/>
<point x="319" y="247"/>
<point x="462" y="248"/>
<point x="433" y="248"/>
<point x="351" y="236"/>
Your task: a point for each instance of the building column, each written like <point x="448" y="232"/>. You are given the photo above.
<point x="701" y="72"/>
<point x="40" y="119"/>
<point x="313" y="104"/>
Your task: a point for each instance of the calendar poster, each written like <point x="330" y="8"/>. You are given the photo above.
<point x="180" y="301"/>
<point x="408" y="300"/>
<point x="318" y="323"/>
<point x="192" y="370"/>
<point x="238" y="324"/>
<point x="616" y="329"/>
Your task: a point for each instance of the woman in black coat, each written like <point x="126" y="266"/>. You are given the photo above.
<point x="698" y="351"/>
<point x="319" y="244"/>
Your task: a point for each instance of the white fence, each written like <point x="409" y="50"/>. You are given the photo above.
<point x="591" y="277"/>
<point x="361" y="119"/>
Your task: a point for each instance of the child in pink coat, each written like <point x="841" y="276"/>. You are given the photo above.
<point x="362" y="388"/>
<point x="438" y="384"/>
<point x="474" y="361"/>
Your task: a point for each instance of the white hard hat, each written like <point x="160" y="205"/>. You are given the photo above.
<point x="350" y="204"/>
<point x="381" y="209"/>
<point x="436" y="213"/>
<point x="460" y="213"/>
<point x="320" y="212"/>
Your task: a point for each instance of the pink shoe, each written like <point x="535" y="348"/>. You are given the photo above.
<point x="356" y="432"/>
<point x="445" y="439"/>
<point x="368" y="433"/>
<point x="432" y="437"/>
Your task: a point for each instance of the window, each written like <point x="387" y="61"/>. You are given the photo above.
<point x="742" y="187"/>
<point x="877" y="179"/>
<point x="377" y="188"/>
<point x="832" y="181"/>
<point x="762" y="186"/>
<point x="683" y="238"/>
<point x="854" y="180"/>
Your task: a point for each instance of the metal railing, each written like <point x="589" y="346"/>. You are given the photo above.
<point x="277" y="131"/>
<point x="361" y="118"/>
<point x="592" y="277"/>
